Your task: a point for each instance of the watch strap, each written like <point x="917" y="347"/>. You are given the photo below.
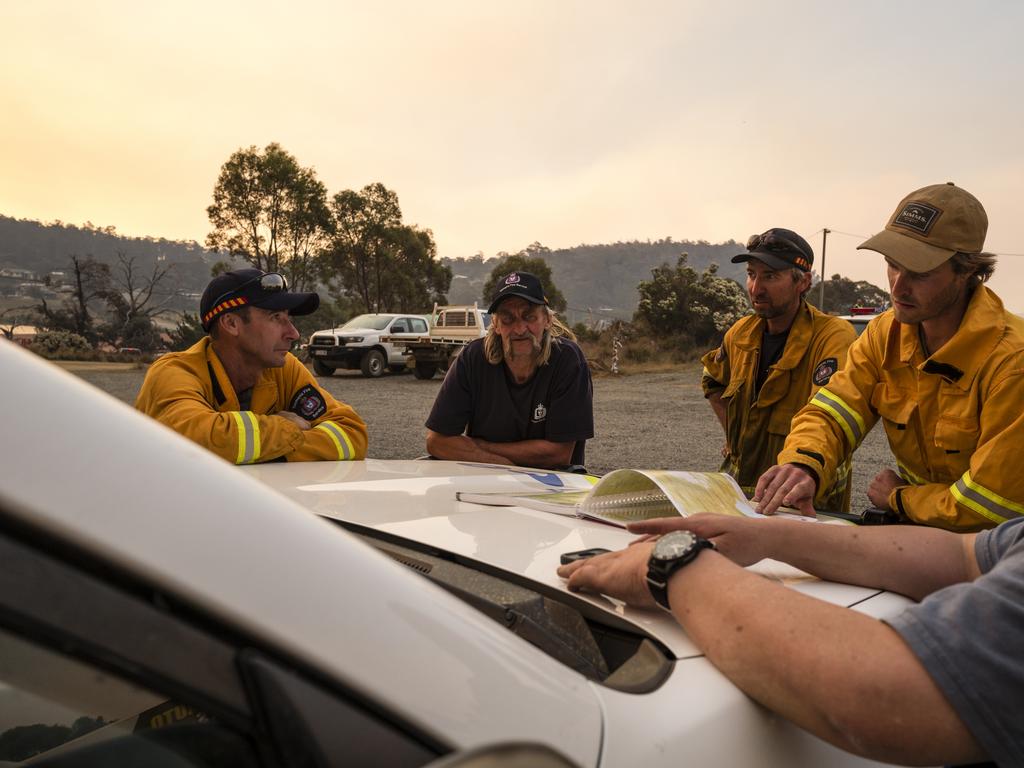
<point x="660" y="571"/>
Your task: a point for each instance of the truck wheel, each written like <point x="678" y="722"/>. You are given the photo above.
<point x="425" y="370"/>
<point x="372" y="364"/>
<point x="321" y="369"/>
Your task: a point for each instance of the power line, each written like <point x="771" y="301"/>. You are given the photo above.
<point x="848" y="234"/>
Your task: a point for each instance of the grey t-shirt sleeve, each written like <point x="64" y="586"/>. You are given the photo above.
<point x="970" y="639"/>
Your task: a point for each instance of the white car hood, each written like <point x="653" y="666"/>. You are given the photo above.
<point x="86" y="469"/>
<point x="416" y="500"/>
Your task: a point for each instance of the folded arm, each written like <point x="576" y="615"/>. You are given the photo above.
<point x="524" y="453"/>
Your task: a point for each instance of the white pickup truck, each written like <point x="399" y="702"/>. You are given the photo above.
<point x="360" y="343"/>
<point x="451" y="328"/>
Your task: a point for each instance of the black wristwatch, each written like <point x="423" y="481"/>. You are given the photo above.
<point x="671" y="552"/>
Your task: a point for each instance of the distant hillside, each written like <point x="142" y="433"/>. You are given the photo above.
<point x="598" y="281"/>
<point x="43" y="248"/>
<point x="602" y="279"/>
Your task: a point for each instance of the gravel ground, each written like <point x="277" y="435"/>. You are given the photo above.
<point x="646" y="421"/>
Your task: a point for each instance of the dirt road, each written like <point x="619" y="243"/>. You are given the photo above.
<point x="649" y="421"/>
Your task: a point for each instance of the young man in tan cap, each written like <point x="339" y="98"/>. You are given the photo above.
<point x="240" y="392"/>
<point x="771" y="362"/>
<point x="944" y="371"/>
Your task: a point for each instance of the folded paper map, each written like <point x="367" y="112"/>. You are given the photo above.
<point x="628" y="495"/>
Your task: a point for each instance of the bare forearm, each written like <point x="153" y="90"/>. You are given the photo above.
<point x="912" y="560"/>
<point x="841" y="675"/>
<point x="718" y="407"/>
<point x="460" y="448"/>
<point x="531" y="453"/>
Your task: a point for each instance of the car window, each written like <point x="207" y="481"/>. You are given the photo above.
<point x="57" y="709"/>
<point x="616" y="657"/>
<point x="418" y="325"/>
<point x="97" y="673"/>
<point x="375" y="322"/>
<point x="399" y="327"/>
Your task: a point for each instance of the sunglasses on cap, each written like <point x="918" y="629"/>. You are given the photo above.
<point x="271" y="282"/>
<point x="770" y="241"/>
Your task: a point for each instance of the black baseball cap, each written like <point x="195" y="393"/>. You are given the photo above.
<point x="521" y="284"/>
<point x="239" y="288"/>
<point x="779" y="249"/>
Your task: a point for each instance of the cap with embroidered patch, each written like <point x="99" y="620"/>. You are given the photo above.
<point x="929" y="226"/>
<point x="239" y="288"/>
<point x="522" y="284"/>
<point x="780" y="249"/>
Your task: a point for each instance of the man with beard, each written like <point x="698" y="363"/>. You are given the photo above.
<point x="771" y="362"/>
<point x="522" y="395"/>
<point x="943" y="370"/>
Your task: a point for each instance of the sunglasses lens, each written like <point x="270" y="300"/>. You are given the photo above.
<point x="273" y="282"/>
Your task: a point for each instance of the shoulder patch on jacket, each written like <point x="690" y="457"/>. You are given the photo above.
<point x="308" y="403"/>
<point x="825" y="370"/>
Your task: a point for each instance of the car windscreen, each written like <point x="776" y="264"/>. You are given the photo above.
<point x="552" y="621"/>
<point x="376" y="322"/>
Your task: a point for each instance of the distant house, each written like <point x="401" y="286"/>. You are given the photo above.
<point x="23" y="334"/>
<point x="18" y="274"/>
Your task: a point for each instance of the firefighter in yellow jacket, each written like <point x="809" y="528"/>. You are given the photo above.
<point x="240" y="392"/>
<point x="771" y="362"/>
<point x="944" y="372"/>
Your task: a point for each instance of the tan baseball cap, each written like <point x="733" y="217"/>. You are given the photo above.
<point x="929" y="226"/>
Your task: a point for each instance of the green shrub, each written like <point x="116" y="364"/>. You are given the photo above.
<point x="61" y="345"/>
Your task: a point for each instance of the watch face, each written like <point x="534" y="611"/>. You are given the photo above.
<point x="673" y="545"/>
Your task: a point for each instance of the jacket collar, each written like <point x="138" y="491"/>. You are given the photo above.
<point x="960" y="358"/>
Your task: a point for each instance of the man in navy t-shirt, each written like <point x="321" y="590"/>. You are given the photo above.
<point x="521" y="395"/>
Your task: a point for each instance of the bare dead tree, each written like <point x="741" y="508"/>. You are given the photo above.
<point x="140" y="293"/>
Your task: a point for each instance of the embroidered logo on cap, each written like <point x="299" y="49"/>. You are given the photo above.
<point x="308" y="403"/>
<point x="512" y="279"/>
<point x="824" y="371"/>
<point x="919" y="217"/>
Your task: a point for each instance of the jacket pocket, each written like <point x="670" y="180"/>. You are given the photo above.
<point x="956" y="439"/>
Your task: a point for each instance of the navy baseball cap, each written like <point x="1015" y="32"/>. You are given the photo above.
<point x="522" y="284"/>
<point x="779" y="249"/>
<point x="252" y="288"/>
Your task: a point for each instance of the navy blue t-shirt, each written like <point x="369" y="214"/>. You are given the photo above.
<point x="482" y="400"/>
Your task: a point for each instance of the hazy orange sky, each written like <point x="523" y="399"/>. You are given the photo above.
<point x="501" y="124"/>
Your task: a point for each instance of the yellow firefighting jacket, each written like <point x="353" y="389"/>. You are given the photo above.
<point x="190" y="392"/>
<point x="955" y="420"/>
<point x="757" y="422"/>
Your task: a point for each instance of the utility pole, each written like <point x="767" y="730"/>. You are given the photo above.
<point x="824" y="242"/>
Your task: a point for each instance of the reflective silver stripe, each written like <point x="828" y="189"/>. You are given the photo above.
<point x="986" y="503"/>
<point x="848" y="419"/>
<point x="339" y="438"/>
<point x="248" y="438"/>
